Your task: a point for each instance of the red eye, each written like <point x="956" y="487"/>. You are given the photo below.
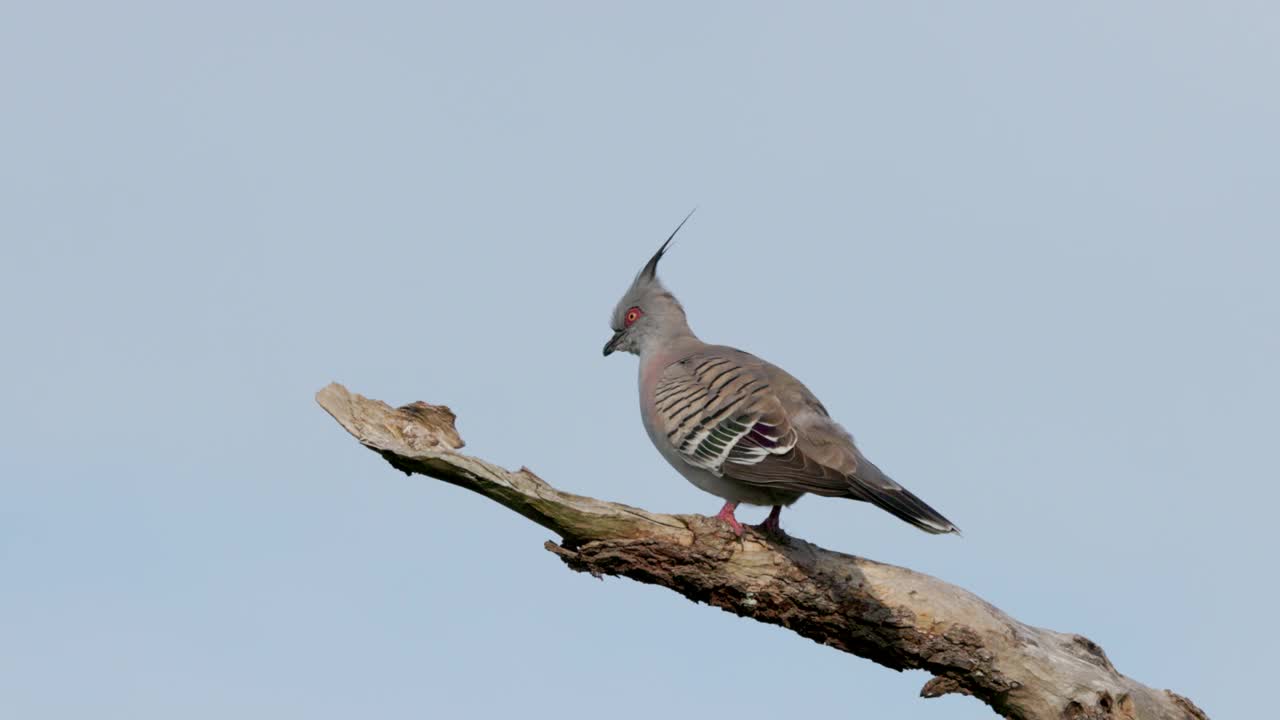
<point x="633" y="315"/>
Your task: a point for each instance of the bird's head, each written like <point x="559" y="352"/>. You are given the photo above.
<point x="647" y="311"/>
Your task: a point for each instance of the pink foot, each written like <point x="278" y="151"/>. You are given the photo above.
<point x="771" y="524"/>
<point x="726" y="514"/>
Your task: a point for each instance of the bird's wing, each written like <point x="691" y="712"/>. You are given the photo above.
<point x="739" y="417"/>
<point x="721" y="411"/>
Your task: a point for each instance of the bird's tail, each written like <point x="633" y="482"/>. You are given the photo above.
<point x="871" y="485"/>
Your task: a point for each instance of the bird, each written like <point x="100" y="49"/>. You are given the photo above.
<point x="738" y="427"/>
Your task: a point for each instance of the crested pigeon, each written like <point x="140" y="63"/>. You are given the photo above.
<point x="738" y="427"/>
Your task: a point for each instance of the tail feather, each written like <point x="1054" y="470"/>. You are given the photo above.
<point x="871" y="485"/>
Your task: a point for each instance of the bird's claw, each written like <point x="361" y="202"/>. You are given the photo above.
<point x="772" y="524"/>
<point x="726" y="514"/>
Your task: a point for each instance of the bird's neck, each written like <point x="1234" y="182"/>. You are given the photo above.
<point x="673" y="340"/>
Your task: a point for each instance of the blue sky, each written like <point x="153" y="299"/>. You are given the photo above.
<point x="1026" y="254"/>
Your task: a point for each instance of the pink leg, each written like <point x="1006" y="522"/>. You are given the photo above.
<point x="771" y="524"/>
<point x="726" y="514"/>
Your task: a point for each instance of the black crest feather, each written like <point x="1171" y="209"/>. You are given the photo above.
<point x="650" y="270"/>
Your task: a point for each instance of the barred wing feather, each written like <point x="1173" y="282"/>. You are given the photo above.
<point x="719" y="411"/>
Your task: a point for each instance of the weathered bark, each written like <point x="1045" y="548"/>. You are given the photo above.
<point x="893" y="616"/>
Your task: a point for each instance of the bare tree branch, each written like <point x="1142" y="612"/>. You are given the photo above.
<point x="890" y="615"/>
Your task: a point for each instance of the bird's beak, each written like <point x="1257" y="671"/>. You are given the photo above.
<point x="612" y="345"/>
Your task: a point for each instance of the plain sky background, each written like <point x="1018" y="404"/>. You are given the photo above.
<point x="1026" y="254"/>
